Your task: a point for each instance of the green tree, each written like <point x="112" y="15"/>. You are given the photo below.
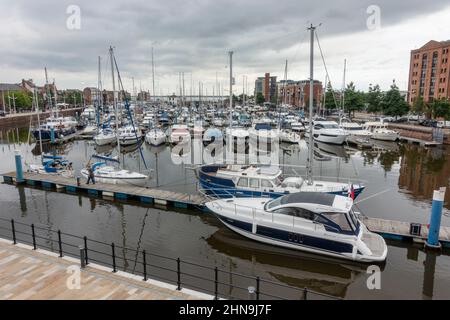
<point x="354" y="100"/>
<point x="441" y="109"/>
<point x="330" y="102"/>
<point x="373" y="99"/>
<point x="418" y="106"/>
<point x="393" y="103"/>
<point x="260" y="98"/>
<point x="23" y="100"/>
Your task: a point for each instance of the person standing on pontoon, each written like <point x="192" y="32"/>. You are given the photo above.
<point x="91" y="176"/>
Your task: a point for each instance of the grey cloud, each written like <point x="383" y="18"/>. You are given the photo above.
<point x="187" y="35"/>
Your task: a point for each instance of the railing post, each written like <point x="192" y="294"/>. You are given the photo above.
<point x="113" y="257"/>
<point x="216" y="283"/>
<point x="82" y="258"/>
<point x="13" y="229"/>
<point x="60" y="244"/>
<point x="34" y="236"/>
<point x="305" y="294"/>
<point x="144" y="260"/>
<point x="251" y="293"/>
<point x="257" y="287"/>
<point x="178" y="274"/>
<point x="86" y="250"/>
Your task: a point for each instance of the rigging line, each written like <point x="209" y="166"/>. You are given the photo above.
<point x="326" y="69"/>
<point x="373" y="196"/>
<point x="127" y="106"/>
<point x="298" y="48"/>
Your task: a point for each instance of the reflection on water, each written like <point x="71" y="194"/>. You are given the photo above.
<point x="424" y="170"/>
<point x="292" y="268"/>
<point x="410" y="173"/>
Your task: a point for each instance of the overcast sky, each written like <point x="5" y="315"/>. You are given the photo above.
<point x="194" y="36"/>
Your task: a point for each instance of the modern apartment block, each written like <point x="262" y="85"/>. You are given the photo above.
<point x="267" y="86"/>
<point x="429" y="72"/>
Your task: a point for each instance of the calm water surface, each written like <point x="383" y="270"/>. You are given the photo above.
<point x="400" y="180"/>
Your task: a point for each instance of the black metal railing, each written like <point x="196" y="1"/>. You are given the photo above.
<point x="175" y="271"/>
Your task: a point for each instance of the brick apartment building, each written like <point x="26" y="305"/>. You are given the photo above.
<point x="429" y="72"/>
<point x="297" y="93"/>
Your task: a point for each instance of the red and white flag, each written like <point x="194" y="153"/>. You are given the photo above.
<point x="351" y="192"/>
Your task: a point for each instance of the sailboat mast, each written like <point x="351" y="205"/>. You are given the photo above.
<point x="111" y="55"/>
<point x="99" y="85"/>
<point x="285" y="81"/>
<point x="231" y="88"/>
<point x="343" y="92"/>
<point x="47" y="93"/>
<point x="153" y="76"/>
<point x="36" y="103"/>
<point x="311" y="106"/>
<point x="55" y="93"/>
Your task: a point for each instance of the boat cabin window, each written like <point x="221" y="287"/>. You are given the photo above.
<point x="243" y="182"/>
<point x="296" y="212"/>
<point x="339" y="219"/>
<point x="286" y="211"/>
<point x="266" y="183"/>
<point x="254" y="183"/>
<point x="304" y="214"/>
<point x="318" y="127"/>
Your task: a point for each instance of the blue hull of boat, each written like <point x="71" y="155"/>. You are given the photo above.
<point x="225" y="188"/>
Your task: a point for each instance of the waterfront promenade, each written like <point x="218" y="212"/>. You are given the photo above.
<point x="37" y="274"/>
<point x="23" y="119"/>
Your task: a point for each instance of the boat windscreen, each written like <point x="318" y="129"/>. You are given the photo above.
<point x="273" y="204"/>
<point x="339" y="219"/>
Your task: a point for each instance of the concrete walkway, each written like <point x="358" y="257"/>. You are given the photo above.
<point x="26" y="274"/>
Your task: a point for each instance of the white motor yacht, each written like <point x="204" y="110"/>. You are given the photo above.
<point x="313" y="222"/>
<point x="381" y="132"/>
<point x="105" y="137"/>
<point x="155" y="137"/>
<point x="327" y="132"/>
<point x="179" y="133"/>
<point x="129" y="135"/>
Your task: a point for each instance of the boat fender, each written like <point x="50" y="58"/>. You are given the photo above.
<point x="354" y="252"/>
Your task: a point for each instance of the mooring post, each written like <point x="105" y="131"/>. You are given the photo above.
<point x="52" y="135"/>
<point x="435" y="220"/>
<point x="19" y="169"/>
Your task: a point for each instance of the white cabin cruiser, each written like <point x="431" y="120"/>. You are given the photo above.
<point x="89" y="131"/>
<point x="297" y="127"/>
<point x="252" y="181"/>
<point x="289" y="136"/>
<point x="355" y="129"/>
<point x="129" y="135"/>
<point x="105" y="137"/>
<point x="313" y="222"/>
<point x="328" y="132"/>
<point x="179" y="133"/>
<point x="237" y="139"/>
<point x="263" y="136"/>
<point x="381" y="132"/>
<point x="155" y="137"/>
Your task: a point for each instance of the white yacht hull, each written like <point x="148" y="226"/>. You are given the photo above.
<point x="385" y="137"/>
<point x="103" y="140"/>
<point x="155" y="139"/>
<point x="138" y="180"/>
